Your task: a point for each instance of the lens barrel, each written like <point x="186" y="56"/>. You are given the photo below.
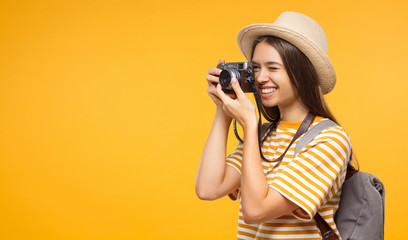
<point x="226" y="76"/>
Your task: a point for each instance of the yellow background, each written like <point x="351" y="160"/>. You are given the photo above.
<point x="104" y="110"/>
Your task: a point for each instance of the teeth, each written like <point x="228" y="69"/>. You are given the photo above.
<point x="268" y="90"/>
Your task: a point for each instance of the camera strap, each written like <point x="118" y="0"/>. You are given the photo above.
<point x="302" y="129"/>
<point x="259" y="123"/>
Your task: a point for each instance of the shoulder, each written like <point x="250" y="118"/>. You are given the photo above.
<point x="324" y="127"/>
<point x="325" y="134"/>
<point x="331" y="130"/>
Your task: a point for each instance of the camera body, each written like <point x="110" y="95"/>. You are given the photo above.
<point x="242" y="71"/>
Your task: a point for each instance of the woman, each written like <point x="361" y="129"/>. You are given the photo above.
<point x="292" y="72"/>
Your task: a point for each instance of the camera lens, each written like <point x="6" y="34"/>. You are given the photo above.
<point x="226" y="76"/>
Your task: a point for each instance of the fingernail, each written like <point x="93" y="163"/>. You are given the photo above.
<point x="234" y="80"/>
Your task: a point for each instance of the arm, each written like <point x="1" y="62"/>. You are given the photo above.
<point x="215" y="179"/>
<point x="259" y="202"/>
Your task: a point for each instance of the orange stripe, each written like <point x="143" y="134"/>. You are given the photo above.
<point x="246" y="234"/>
<point x="248" y="227"/>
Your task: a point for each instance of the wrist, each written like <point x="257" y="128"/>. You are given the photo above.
<point x="220" y="114"/>
<point x="251" y="123"/>
<point x="251" y="127"/>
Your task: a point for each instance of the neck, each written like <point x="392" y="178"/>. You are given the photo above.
<point x="294" y="113"/>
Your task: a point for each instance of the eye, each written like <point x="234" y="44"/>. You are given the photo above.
<point x="273" y="68"/>
<point x="256" y="68"/>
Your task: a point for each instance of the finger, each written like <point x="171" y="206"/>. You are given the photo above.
<point x="221" y="95"/>
<point x="237" y="88"/>
<point x="212" y="79"/>
<point x="214" y="71"/>
<point x="222" y="61"/>
<point x="213" y="92"/>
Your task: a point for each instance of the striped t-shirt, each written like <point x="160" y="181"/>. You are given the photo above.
<point x="312" y="179"/>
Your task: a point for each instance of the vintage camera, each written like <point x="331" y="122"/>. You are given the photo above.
<point x="242" y="71"/>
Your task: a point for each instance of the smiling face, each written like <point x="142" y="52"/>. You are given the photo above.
<point x="272" y="80"/>
<point x="288" y="80"/>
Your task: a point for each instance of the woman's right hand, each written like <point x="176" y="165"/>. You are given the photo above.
<point x="213" y="80"/>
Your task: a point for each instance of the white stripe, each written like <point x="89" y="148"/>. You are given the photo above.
<point x="269" y="228"/>
<point x="237" y="152"/>
<point x="290" y="236"/>
<point x="282" y="145"/>
<point x="234" y="155"/>
<point x="285" y="136"/>
<point x="326" y="213"/>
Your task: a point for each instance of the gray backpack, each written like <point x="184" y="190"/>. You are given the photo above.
<point x="361" y="209"/>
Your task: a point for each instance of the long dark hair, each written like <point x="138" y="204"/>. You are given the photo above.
<point x="302" y="75"/>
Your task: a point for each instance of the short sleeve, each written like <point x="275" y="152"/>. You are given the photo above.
<point x="235" y="158"/>
<point x="316" y="173"/>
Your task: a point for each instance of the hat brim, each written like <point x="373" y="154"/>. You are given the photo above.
<point x="319" y="59"/>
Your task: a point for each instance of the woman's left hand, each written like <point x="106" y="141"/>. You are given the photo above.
<point x="241" y="108"/>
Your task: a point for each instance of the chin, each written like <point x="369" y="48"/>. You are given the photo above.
<point x="268" y="103"/>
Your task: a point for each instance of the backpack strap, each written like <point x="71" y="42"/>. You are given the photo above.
<point x="312" y="133"/>
<point x="325" y="229"/>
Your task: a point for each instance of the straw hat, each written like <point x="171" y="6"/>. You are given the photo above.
<point x="301" y="31"/>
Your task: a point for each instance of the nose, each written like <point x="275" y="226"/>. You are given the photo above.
<point x="261" y="76"/>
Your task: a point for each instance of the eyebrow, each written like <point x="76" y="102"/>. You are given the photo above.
<point x="269" y="63"/>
